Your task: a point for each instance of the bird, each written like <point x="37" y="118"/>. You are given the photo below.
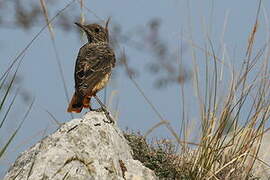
<point x="93" y="66"/>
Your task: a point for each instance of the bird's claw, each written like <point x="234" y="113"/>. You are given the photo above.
<point x="97" y="110"/>
<point x="107" y="114"/>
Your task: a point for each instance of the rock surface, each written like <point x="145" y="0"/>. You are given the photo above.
<point x="261" y="164"/>
<point x="82" y="149"/>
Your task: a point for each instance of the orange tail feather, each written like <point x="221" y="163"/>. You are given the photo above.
<point x="76" y="104"/>
<point x="86" y="102"/>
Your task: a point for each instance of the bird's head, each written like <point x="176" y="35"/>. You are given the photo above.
<point x="95" y="32"/>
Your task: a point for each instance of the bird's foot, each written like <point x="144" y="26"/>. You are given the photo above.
<point x="104" y="109"/>
<point x="106" y="112"/>
<point x="97" y="110"/>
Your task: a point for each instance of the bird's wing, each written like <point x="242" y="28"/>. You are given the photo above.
<point x="93" y="63"/>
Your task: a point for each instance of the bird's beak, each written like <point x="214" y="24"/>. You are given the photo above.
<point x="81" y="26"/>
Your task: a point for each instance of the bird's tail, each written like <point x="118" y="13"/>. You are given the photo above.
<point x="86" y="102"/>
<point x="76" y="104"/>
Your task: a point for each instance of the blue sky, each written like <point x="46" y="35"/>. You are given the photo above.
<point x="41" y="76"/>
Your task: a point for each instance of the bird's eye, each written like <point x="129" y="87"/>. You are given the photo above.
<point x="97" y="30"/>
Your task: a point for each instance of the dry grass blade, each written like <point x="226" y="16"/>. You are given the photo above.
<point x="34" y="38"/>
<point x="253" y="33"/>
<point x="88" y="9"/>
<point x="7" y="91"/>
<point x="3" y="101"/>
<point x="112" y="97"/>
<point x="227" y="164"/>
<point x="9" y="108"/>
<point x="260" y="160"/>
<point x="82" y="18"/>
<point x="221" y="154"/>
<point x="58" y="61"/>
<point x="167" y="125"/>
<point x="149" y="131"/>
<point x="46" y="15"/>
<point x="2" y="151"/>
<point x="204" y="50"/>
<point x="10" y="84"/>
<point x="53" y="118"/>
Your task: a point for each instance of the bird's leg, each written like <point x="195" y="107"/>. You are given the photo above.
<point x="96" y="110"/>
<point x="87" y="103"/>
<point x="104" y="109"/>
<point x="100" y="103"/>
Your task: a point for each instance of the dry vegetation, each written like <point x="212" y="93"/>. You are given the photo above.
<point x="232" y="120"/>
<point x="163" y="158"/>
<point x="233" y="107"/>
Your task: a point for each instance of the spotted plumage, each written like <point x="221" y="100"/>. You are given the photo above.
<point x="93" y="66"/>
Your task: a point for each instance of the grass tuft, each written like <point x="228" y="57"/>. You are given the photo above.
<point x="162" y="157"/>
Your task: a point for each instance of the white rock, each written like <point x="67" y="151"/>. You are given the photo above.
<point x="261" y="164"/>
<point x="82" y="149"/>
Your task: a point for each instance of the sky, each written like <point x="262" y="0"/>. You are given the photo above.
<point x="179" y="19"/>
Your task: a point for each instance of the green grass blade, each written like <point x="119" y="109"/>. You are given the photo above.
<point x="7" y="91"/>
<point x="3" y="81"/>
<point x="3" y="150"/>
<point x="34" y="38"/>
<point x="9" y="108"/>
<point x="9" y="87"/>
<point x="10" y="84"/>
